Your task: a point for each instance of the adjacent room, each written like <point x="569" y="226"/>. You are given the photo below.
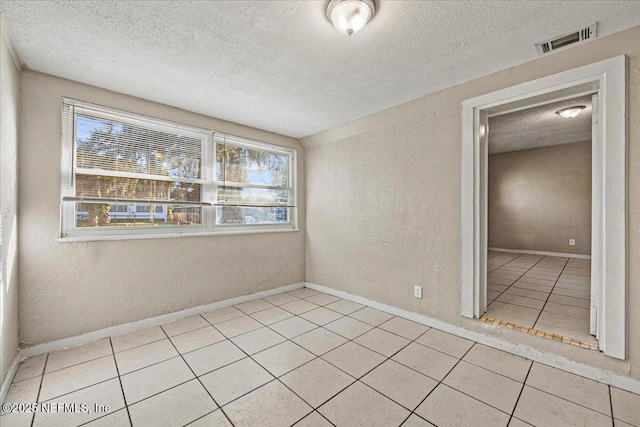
<point x="319" y="213"/>
<point x="539" y="218"/>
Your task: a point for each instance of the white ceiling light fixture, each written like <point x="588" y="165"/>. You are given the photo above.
<point x="570" y="112"/>
<point x="350" y="16"/>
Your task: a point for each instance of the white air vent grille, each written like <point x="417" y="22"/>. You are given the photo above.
<point x="579" y="36"/>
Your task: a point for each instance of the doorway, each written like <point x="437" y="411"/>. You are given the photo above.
<point x="607" y="287"/>
<point x="539" y="220"/>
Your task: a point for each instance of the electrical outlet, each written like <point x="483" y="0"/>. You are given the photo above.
<point x="417" y="291"/>
<point x="572" y="242"/>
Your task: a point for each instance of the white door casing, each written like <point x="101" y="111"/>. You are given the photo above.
<point x="609" y="255"/>
<point x="596" y="189"/>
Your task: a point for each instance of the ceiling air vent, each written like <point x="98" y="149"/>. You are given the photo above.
<point x="582" y="35"/>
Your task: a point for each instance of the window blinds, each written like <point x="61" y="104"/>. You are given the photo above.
<point x="128" y="174"/>
<point x="118" y="158"/>
<point x="251" y="175"/>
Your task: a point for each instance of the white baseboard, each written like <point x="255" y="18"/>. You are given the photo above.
<point x="546" y="358"/>
<point x="8" y="379"/>
<point x="550" y="359"/>
<point x="63" y="343"/>
<point x="523" y="251"/>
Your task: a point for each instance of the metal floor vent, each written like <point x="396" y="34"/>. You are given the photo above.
<point x="579" y="36"/>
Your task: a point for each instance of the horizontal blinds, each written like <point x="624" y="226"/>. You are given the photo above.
<point x="253" y="196"/>
<point x="237" y="164"/>
<point x="130" y="202"/>
<point x="119" y="146"/>
<point x="108" y="187"/>
<point x="251" y="176"/>
<point x="115" y="159"/>
<point x="116" y="156"/>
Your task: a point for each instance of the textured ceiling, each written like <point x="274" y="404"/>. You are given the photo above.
<point x="280" y="65"/>
<point x="539" y="127"/>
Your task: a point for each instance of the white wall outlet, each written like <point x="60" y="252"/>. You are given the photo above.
<point x="572" y="242"/>
<point x="417" y="291"/>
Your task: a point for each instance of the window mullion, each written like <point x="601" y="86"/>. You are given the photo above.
<point x="208" y="174"/>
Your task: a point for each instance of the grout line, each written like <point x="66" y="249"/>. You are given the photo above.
<point x="137" y="346"/>
<point x="518" y="305"/>
<point x="373" y="327"/>
<point x="520" y="394"/>
<point x="80" y="363"/>
<point x="317" y="412"/>
<point x="106" y="415"/>
<point x="196" y="315"/>
<point x="502" y="265"/>
<point x="552" y="288"/>
<point x="275" y="379"/>
<point x="565" y="399"/>
<point x="473" y="397"/>
<point x="565" y="304"/>
<point x="150" y="365"/>
<point x="558" y="314"/>
<point x="438" y="385"/>
<point x="78" y="389"/>
<point x="569" y="296"/>
<point x="349" y="340"/>
<point x="489" y="370"/>
<point x="198" y="378"/>
<point x="161" y="391"/>
<point x="44" y="369"/>
<point x="512" y="283"/>
<point x="359" y="379"/>
<point x="183" y="333"/>
<point x="328" y="362"/>
<point x="199" y="418"/>
<point x="115" y="362"/>
<point x="611" y="406"/>
<point x="566" y="315"/>
<point x="533" y="327"/>
<point x="387" y="358"/>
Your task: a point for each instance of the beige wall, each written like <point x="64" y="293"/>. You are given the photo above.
<point x="384" y="199"/>
<point x="540" y="198"/>
<point x="73" y="288"/>
<point x="9" y="115"/>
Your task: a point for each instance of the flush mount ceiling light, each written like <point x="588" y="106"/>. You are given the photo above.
<point x="350" y="16"/>
<point x="570" y="112"/>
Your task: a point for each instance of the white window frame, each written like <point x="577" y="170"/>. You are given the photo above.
<point x="237" y="141"/>
<point x="70" y="233"/>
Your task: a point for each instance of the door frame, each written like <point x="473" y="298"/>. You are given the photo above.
<point x="609" y="186"/>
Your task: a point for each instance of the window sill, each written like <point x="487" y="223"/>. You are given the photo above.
<point x="72" y="239"/>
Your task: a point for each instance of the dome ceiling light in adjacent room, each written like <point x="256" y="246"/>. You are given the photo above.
<point x="570" y="112"/>
<point x="350" y="16"/>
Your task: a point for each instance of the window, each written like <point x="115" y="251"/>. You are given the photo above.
<point x="125" y="174"/>
<point x="253" y="183"/>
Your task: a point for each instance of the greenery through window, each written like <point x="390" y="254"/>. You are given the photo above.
<point x="130" y="174"/>
<point x="118" y="160"/>
<point x="255" y="182"/>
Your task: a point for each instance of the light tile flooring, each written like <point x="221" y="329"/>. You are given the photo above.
<point x="547" y="293"/>
<point x="308" y="359"/>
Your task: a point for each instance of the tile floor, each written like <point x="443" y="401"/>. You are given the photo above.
<point x="307" y="359"/>
<point x="547" y="293"/>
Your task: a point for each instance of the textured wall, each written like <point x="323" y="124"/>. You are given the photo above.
<point x="540" y="198"/>
<point x="9" y="114"/>
<point x="384" y="198"/>
<point x="73" y="288"/>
